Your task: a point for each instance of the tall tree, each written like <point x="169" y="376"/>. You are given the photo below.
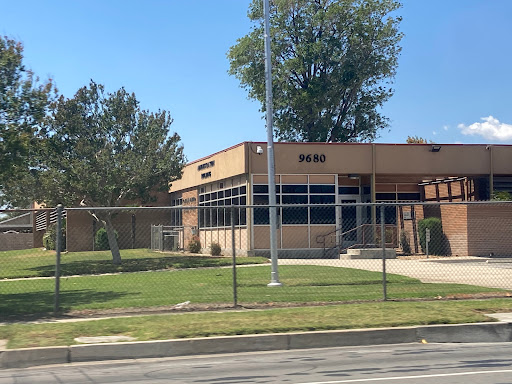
<point x="332" y="62"/>
<point x="23" y="105"/>
<point x="101" y="150"/>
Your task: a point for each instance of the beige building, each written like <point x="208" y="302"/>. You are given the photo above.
<point x="321" y="173"/>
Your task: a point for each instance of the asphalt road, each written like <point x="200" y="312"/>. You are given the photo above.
<point x="410" y="363"/>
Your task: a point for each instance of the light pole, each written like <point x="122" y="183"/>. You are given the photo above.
<point x="274" y="275"/>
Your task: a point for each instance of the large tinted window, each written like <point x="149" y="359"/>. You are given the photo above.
<point x="294" y="188"/>
<point x="323" y="215"/>
<point x="322" y="189"/>
<point x="260" y="188"/>
<point x="322" y="199"/>
<point x="348" y="190"/>
<point x="294" y="199"/>
<point x="295" y="215"/>
<point x="409" y="196"/>
<point x="223" y="197"/>
<point x="261" y="216"/>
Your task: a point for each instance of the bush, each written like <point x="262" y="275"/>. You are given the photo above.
<point x="501" y="196"/>
<point x="215" y="249"/>
<point x="438" y="241"/>
<point x="50" y="237"/>
<point x="404" y="243"/>
<point x="101" y="240"/>
<point x="194" y="245"/>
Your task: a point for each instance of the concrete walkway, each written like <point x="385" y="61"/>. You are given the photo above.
<point x="491" y="273"/>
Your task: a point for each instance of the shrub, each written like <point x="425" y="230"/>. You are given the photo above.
<point x="404" y="243"/>
<point x="194" y="245"/>
<point x="215" y="249"/>
<point x="101" y="240"/>
<point x="502" y="196"/>
<point x="50" y="237"/>
<point x="438" y="242"/>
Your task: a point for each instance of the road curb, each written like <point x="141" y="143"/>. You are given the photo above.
<point x="458" y="333"/>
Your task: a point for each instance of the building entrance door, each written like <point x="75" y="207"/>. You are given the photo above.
<point x="349" y="219"/>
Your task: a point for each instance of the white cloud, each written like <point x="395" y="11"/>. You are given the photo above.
<point x="434" y="133"/>
<point x="446" y="127"/>
<point x="490" y="128"/>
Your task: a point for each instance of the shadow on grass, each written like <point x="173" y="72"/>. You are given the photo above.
<point x="40" y="304"/>
<point x="92" y="267"/>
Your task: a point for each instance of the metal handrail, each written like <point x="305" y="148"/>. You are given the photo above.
<point x="322" y="238"/>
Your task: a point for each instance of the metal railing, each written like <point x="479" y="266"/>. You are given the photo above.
<point x="369" y="234"/>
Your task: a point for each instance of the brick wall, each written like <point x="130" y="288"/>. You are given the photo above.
<point x="455" y="227"/>
<point x="490" y="230"/>
<point x="14" y="241"/>
<point x="190" y="216"/>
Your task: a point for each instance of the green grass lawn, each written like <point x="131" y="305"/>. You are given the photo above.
<point x="41" y="263"/>
<point x="302" y="284"/>
<point x="187" y="325"/>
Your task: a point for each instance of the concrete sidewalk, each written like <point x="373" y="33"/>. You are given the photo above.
<point x="474" y="271"/>
<point x="462" y="333"/>
<point x="491" y="273"/>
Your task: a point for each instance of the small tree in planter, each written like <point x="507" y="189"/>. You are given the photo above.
<point x="438" y="242"/>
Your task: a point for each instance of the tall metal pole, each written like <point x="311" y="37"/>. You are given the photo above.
<point x="383" y="245"/>
<point x="58" y="246"/>
<point x="233" y="250"/>
<point x="274" y="275"/>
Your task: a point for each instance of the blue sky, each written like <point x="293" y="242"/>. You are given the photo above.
<point x="453" y="84"/>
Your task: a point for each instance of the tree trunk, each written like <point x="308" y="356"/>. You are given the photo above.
<point x="112" y="241"/>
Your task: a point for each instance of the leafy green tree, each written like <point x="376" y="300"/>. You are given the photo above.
<point x="332" y="62"/>
<point x="102" y="150"/>
<point x="23" y="106"/>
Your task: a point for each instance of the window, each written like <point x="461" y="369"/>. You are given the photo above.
<point x="212" y="217"/>
<point x="323" y="215"/>
<point x="386" y="196"/>
<point x="294" y="188"/>
<point x="409" y="196"/>
<point x="348" y="190"/>
<point x="261" y="216"/>
<point x="260" y="188"/>
<point x="322" y="189"/>
<point x="303" y="194"/>
<point x="176" y="215"/>
<point x="322" y="199"/>
<point x="294" y="199"/>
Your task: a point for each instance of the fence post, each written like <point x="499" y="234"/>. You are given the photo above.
<point x="58" y="245"/>
<point x="233" y="252"/>
<point x="383" y="244"/>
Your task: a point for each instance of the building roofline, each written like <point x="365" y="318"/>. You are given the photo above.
<point x="7" y="222"/>
<point x="216" y="153"/>
<point x="382" y="144"/>
<point x="342" y="144"/>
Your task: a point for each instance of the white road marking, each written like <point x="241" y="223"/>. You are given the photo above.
<point x="409" y="377"/>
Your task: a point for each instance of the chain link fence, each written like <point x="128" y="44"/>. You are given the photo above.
<point x="79" y="260"/>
